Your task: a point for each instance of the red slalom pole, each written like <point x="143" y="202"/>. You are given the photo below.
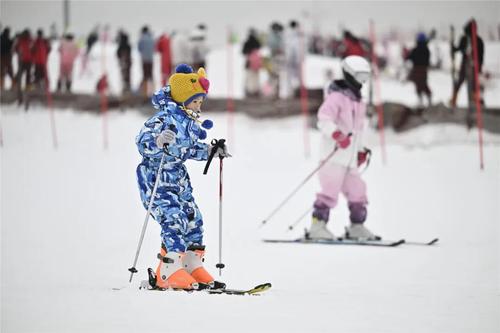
<point x="104" y="112"/>
<point x="304" y="102"/>
<point x="477" y="93"/>
<point x="51" y="109"/>
<point x="230" y="86"/>
<point x="378" y="103"/>
<point x="103" y="91"/>
<point x="1" y="132"/>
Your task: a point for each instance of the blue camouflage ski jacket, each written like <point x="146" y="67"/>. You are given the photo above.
<point x="173" y="207"/>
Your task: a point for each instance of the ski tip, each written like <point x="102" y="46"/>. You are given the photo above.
<point x="399" y="242"/>
<point x="259" y="289"/>
<point x="434" y="241"/>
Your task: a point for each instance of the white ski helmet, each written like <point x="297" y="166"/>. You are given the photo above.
<point x="357" y="67"/>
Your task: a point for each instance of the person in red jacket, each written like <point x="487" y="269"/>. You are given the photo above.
<point x="163" y="47"/>
<point x="24" y="56"/>
<point x="40" y="51"/>
<point x="352" y="45"/>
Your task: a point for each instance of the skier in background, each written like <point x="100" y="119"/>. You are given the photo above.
<point x="293" y="59"/>
<point x="163" y="47"/>
<point x="23" y="47"/>
<point x="41" y="49"/>
<point x="467" y="65"/>
<point x="253" y="64"/>
<point x="146" y="48"/>
<point x="68" y="51"/>
<point x="6" y="48"/>
<point x="124" y="55"/>
<point x="180" y="48"/>
<point x="351" y="45"/>
<point x="175" y="131"/>
<point x="91" y="40"/>
<point x="199" y="48"/>
<point x="341" y="122"/>
<point x="420" y="58"/>
<point x="275" y="44"/>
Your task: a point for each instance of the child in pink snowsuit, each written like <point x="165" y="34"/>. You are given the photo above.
<point x="341" y="122"/>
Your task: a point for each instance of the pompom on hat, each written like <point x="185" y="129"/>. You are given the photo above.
<point x="186" y="85"/>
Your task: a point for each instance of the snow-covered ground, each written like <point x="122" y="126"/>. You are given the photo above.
<point x="71" y="219"/>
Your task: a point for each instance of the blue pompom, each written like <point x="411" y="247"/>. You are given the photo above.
<point x="184" y="68"/>
<point x="203" y="135"/>
<point x="208" y="124"/>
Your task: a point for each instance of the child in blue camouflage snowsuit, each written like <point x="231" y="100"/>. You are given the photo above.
<point x="176" y="132"/>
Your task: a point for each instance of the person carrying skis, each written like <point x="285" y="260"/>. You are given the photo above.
<point x="175" y="131"/>
<point x="420" y="58"/>
<point x="341" y="122"/>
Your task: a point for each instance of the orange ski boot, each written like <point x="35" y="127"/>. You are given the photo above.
<point x="171" y="274"/>
<point x="193" y="264"/>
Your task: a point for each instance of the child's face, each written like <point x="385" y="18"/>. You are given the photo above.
<point x="195" y="104"/>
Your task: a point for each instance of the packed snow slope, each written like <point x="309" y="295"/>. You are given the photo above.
<point x="71" y="219"/>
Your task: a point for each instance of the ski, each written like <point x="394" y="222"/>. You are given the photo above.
<point x="257" y="290"/>
<point x="217" y="288"/>
<point x="432" y="242"/>
<point x="339" y="241"/>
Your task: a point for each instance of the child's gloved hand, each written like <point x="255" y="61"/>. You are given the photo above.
<point x="165" y="137"/>
<point x="220" y="152"/>
<point x="363" y="156"/>
<point x="343" y="141"/>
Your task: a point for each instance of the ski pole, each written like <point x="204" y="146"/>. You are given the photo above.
<point x="216" y="144"/>
<point x="132" y="269"/>
<point x="220" y="265"/>
<point x="299" y="186"/>
<point x="294" y="224"/>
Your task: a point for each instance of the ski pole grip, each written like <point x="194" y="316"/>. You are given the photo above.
<point x="216" y="144"/>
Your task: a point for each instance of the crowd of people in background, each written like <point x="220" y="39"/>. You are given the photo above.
<point x="32" y="54"/>
<point x="279" y="52"/>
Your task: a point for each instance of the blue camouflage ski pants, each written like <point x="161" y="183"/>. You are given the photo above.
<point x="173" y="206"/>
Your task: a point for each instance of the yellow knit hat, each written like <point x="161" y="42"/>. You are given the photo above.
<point x="186" y="85"/>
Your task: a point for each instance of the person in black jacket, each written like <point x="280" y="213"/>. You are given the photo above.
<point x="420" y="58"/>
<point x="124" y="59"/>
<point x="253" y="63"/>
<point x="467" y="64"/>
<point x="6" y="61"/>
